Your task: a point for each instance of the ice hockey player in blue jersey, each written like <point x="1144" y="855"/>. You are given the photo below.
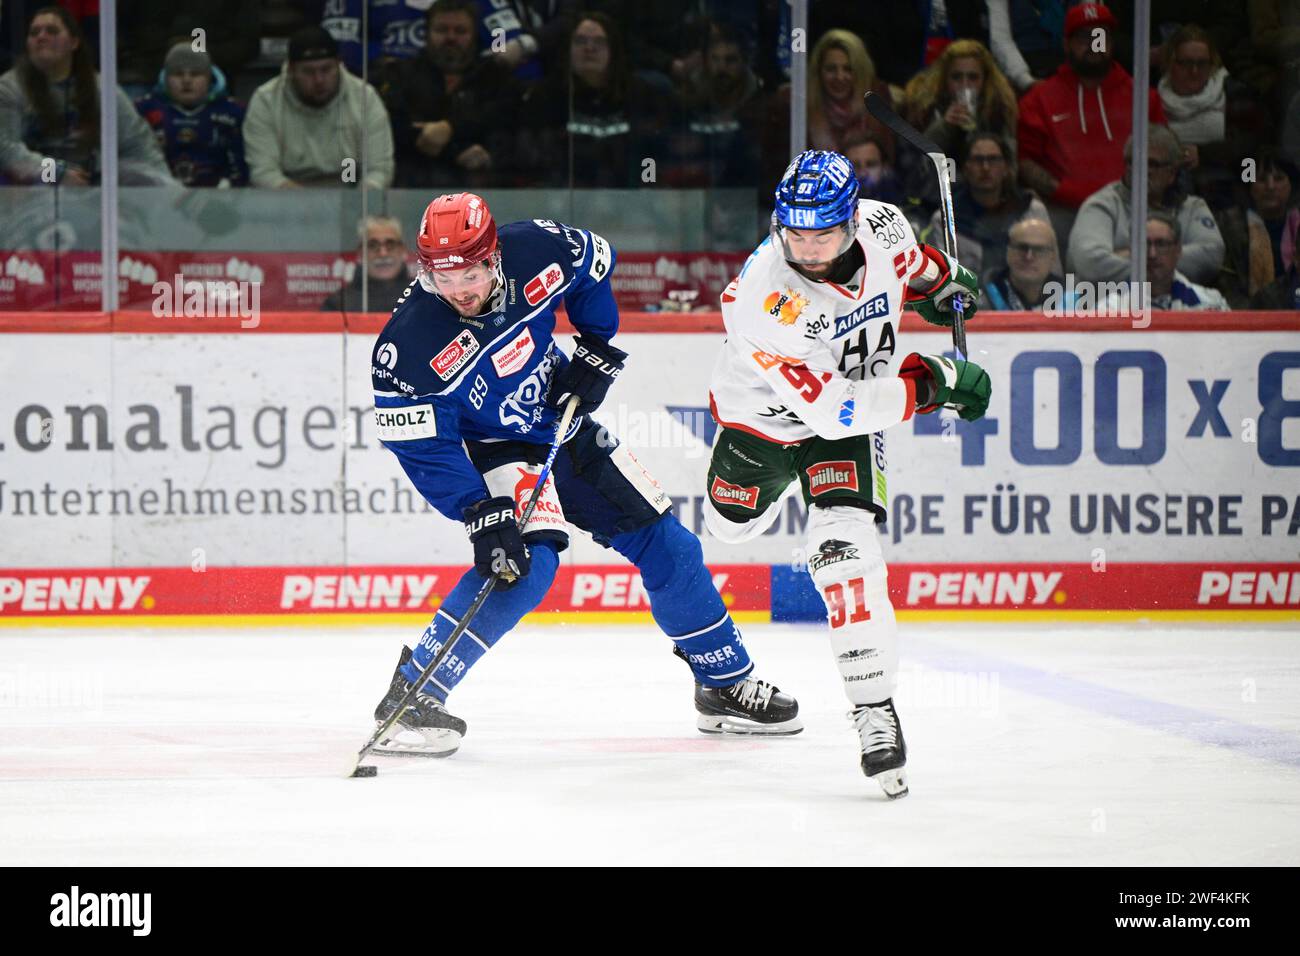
<point x="468" y="385"/>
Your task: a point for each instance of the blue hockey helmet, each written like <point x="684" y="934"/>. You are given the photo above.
<point x="818" y="191"/>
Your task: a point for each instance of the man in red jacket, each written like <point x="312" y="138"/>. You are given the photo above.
<point x="1073" y="125"/>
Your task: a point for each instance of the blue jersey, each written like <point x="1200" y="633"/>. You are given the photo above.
<point x="441" y="378"/>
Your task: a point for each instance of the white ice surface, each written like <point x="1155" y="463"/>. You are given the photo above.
<point x="1028" y="744"/>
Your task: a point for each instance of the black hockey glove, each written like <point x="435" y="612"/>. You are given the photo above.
<point x="498" y="547"/>
<point x="589" y="374"/>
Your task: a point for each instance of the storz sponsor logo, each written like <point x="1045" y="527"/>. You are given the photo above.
<point x="724" y="492"/>
<point x="455" y="356"/>
<point x="523" y="408"/>
<point x="872" y="309"/>
<point x="832" y="476"/>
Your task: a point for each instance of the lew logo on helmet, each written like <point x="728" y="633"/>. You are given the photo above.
<point x="455" y="356"/>
<point x="725" y="493"/>
<point x="543" y="284"/>
<point x="832" y="476"/>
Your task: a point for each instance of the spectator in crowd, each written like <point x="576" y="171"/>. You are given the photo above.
<point x="986" y="201"/>
<point x="1273" y="196"/>
<point x="591" y="125"/>
<point x="148" y="29"/>
<point x="963" y="91"/>
<point x="1260" y="266"/>
<point x="1275" y="36"/>
<point x="839" y="75"/>
<point x="313" y="124"/>
<point x="1025" y="38"/>
<point x="903" y="36"/>
<point x="876" y="177"/>
<point x="1072" y="126"/>
<point x="1192" y="87"/>
<point x="396" y="32"/>
<point x="1032" y="263"/>
<point x="722" y="106"/>
<point x="1219" y="120"/>
<point x="1170" y="289"/>
<point x="385" y="276"/>
<point x="453" y="112"/>
<point x="197" y="124"/>
<point x="840" y="72"/>
<point x="1098" y="247"/>
<point x="49" y="109"/>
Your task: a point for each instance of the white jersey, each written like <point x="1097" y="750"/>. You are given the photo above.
<point x="806" y="358"/>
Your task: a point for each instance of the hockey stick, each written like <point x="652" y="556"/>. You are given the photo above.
<point x="382" y="731"/>
<point x="878" y="108"/>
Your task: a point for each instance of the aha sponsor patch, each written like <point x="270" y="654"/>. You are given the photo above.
<point x="725" y="493"/>
<point x="405" y="424"/>
<point x="514" y="356"/>
<point x="785" y="306"/>
<point x="543" y="284"/>
<point x="832" y="476"/>
<point x="455" y="356"/>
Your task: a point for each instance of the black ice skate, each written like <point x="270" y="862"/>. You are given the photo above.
<point x="749" y="707"/>
<point x="425" y="729"/>
<point x="884" y="753"/>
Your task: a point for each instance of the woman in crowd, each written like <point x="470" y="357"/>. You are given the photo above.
<point x="49" y="113"/>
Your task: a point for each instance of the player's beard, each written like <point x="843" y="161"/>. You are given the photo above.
<point x="817" y="273"/>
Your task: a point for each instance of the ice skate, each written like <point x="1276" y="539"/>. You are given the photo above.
<point x="425" y="729"/>
<point x="884" y="753"/>
<point x="749" y="707"/>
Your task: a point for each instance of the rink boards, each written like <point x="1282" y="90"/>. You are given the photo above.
<point x="164" y="468"/>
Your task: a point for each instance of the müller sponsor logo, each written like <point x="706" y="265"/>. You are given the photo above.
<point x="729" y="494"/>
<point x="831" y="476"/>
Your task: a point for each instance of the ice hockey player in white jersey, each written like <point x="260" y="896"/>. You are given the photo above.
<point x="803" y="389"/>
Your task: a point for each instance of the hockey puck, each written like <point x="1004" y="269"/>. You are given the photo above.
<point x="365" y="772"/>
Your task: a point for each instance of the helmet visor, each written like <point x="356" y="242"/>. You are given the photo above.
<point x="814" y="247"/>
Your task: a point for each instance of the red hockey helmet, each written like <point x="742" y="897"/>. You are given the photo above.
<point x="456" y="232"/>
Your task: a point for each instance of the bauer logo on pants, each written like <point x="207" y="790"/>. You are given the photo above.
<point x="832" y="476"/>
<point x="725" y="493"/>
